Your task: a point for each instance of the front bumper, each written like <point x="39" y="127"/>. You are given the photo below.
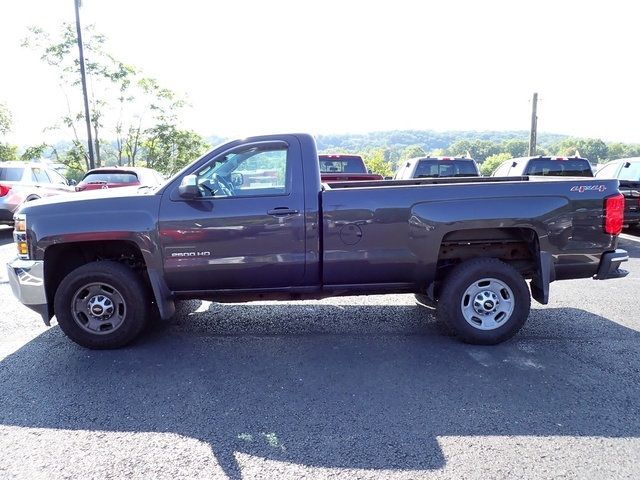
<point x="26" y="278"/>
<point x="610" y="265"/>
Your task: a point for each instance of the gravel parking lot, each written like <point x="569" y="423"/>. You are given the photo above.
<point x="355" y="387"/>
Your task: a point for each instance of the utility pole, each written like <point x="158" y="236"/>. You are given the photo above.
<point x="534" y="125"/>
<point x="83" y="75"/>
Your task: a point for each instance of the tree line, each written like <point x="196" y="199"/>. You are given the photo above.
<point x="384" y="151"/>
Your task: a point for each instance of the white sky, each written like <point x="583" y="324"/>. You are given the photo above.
<point x="329" y="66"/>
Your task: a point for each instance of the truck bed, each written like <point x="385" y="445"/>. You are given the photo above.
<point x="393" y="231"/>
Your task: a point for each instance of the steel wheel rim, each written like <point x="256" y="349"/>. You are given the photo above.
<point x="487" y="304"/>
<point x="98" y="308"/>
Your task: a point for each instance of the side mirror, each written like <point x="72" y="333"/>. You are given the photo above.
<point x="189" y="187"/>
<point x="72" y="182"/>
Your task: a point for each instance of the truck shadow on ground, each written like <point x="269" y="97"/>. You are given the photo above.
<point x="374" y="394"/>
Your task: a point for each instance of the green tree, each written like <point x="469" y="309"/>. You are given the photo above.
<point x="491" y="163"/>
<point x="124" y="105"/>
<point x="515" y="148"/>
<point x="378" y="161"/>
<point x="622" y="150"/>
<point x="5" y="119"/>
<point x="593" y="149"/>
<point x="7" y="152"/>
<point x="168" y="149"/>
<point x="412" y="151"/>
<point x="478" y="149"/>
<point x="34" y="153"/>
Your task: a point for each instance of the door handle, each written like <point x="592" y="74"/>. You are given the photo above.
<point x="282" y="211"/>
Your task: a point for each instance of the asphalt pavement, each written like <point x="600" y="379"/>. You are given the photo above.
<point x="354" y="387"/>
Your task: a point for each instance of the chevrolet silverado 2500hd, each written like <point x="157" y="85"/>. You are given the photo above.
<point x="251" y="220"/>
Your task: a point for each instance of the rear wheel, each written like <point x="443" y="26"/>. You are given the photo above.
<point x="102" y="305"/>
<point x="484" y="301"/>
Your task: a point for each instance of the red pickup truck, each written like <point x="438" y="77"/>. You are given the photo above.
<point x="344" y="168"/>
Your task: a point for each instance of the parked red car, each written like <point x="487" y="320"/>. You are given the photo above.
<point x="112" y="177"/>
<point x="344" y="168"/>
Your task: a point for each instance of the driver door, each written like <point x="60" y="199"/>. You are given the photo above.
<point x="246" y="227"/>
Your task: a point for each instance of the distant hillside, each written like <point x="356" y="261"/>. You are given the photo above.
<point x="427" y="139"/>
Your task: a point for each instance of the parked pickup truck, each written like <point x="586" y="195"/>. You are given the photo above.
<point x="437" y="167"/>
<point x="106" y="262"/>
<point x="627" y="171"/>
<point x="344" y="168"/>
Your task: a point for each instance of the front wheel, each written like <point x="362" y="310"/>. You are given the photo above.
<point x="484" y="301"/>
<point x="102" y="305"/>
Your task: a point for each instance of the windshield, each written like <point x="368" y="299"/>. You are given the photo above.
<point x="11" y="174"/>
<point x="446" y="168"/>
<point x="577" y="167"/>
<point x="111" y="177"/>
<point x="342" y="164"/>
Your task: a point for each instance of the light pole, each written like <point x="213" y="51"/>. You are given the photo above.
<point x="533" y="133"/>
<point x="83" y="75"/>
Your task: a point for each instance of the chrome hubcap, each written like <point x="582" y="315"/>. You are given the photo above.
<point x="98" y="308"/>
<point x="487" y="304"/>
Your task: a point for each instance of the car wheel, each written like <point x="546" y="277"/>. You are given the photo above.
<point x="484" y="301"/>
<point x="102" y="305"/>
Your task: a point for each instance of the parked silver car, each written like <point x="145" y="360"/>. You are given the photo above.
<point x="22" y="182"/>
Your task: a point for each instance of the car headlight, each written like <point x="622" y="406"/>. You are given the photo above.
<point x="20" y="236"/>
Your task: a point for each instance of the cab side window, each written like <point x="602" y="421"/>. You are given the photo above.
<point x="250" y="171"/>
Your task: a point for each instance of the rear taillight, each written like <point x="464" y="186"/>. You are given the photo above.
<point x="4" y="189"/>
<point x="613" y="214"/>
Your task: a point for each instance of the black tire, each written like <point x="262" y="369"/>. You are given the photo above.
<point x="129" y="297"/>
<point x="490" y="274"/>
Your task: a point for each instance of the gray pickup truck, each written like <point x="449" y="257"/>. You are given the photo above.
<point x="251" y="220"/>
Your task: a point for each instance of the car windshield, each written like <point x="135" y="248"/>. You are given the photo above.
<point x="446" y="168"/>
<point x="111" y="177"/>
<point x="11" y="174"/>
<point x="342" y="164"/>
<point x="576" y="167"/>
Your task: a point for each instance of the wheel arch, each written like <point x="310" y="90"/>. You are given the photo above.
<point x="62" y="258"/>
<point x="516" y="246"/>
